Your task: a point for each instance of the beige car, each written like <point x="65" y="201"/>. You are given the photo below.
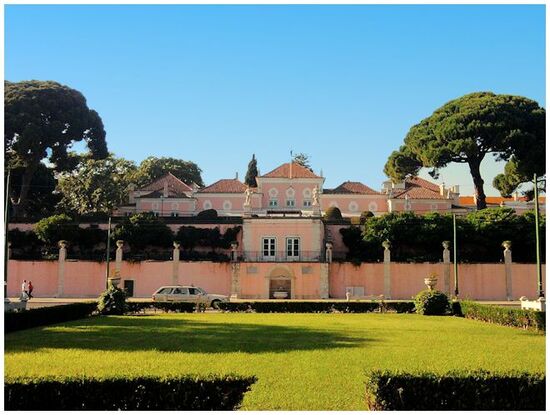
<point x="174" y="293"/>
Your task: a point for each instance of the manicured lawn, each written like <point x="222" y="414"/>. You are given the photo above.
<point x="302" y="361"/>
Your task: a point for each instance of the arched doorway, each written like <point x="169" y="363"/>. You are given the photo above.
<point x="280" y="283"/>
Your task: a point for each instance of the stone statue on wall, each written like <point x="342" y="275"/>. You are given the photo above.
<point x="248" y="196"/>
<point x="315" y="196"/>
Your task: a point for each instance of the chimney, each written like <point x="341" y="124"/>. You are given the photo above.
<point x="516" y="196"/>
<point x="165" y="190"/>
<point x="442" y="189"/>
<point x="236" y="175"/>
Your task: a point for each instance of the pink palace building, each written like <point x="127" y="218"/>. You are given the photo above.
<point x="285" y="245"/>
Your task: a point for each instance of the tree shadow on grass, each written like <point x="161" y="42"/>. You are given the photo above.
<point x="176" y="335"/>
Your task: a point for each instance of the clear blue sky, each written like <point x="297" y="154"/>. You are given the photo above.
<point x="214" y="84"/>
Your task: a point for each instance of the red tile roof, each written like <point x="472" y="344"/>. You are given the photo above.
<point x="496" y="200"/>
<point x="176" y="187"/>
<point x="352" y="188"/>
<point x="417" y="188"/>
<point x="225" y="186"/>
<point x="298" y="171"/>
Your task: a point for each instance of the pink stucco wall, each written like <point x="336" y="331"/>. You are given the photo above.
<point x="87" y="279"/>
<point x="476" y="281"/>
<point x="363" y="203"/>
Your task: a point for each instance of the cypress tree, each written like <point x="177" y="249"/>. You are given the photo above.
<point x="251" y="173"/>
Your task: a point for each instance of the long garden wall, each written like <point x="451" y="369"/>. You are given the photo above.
<point x="87" y="279"/>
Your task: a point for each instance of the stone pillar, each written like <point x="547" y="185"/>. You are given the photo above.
<point x="61" y="267"/>
<point x="234" y="255"/>
<point x="235" y="280"/>
<point x="176" y="264"/>
<point x="508" y="268"/>
<point x="387" y="271"/>
<point x="324" y="287"/>
<point x="446" y="268"/>
<point x="328" y="252"/>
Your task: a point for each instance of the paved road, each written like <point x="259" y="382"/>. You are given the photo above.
<point x="48" y="302"/>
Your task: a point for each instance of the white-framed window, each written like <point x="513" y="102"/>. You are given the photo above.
<point x="268" y="247"/>
<point x="290" y="203"/>
<point x="175" y="206"/>
<point x="174" y="214"/>
<point x="207" y="204"/>
<point x="333" y="204"/>
<point x="307" y="203"/>
<point x="434" y="206"/>
<point x="353" y="206"/>
<point x="273" y="192"/>
<point x="290" y="192"/>
<point x="227" y="205"/>
<point x="293" y="248"/>
<point x="307" y="193"/>
<point x="373" y="206"/>
<point x="273" y="203"/>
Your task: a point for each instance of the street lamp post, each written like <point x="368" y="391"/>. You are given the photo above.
<point x="537" y="238"/>
<point x="454" y="255"/>
<point x="108" y="253"/>
<point x="6" y="222"/>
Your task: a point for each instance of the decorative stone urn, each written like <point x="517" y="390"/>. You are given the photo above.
<point x="115" y="280"/>
<point x="176" y="244"/>
<point x="62" y="244"/>
<point x="431" y="281"/>
<point x="507" y="244"/>
<point x="386" y="244"/>
<point x="120" y="243"/>
<point x="446" y="244"/>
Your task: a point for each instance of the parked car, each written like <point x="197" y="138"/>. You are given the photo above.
<point x="189" y="293"/>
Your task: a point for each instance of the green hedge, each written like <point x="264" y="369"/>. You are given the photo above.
<point x="457" y="391"/>
<point x="318" y="306"/>
<point x="143" y="393"/>
<point x="47" y="315"/>
<point x="506" y="316"/>
<point x="142" y="306"/>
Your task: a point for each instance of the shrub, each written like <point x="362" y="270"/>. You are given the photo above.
<point x="47" y="315"/>
<point x="432" y="303"/>
<point x="144" y="229"/>
<point x="115" y="394"/>
<point x="333" y="213"/>
<point x="55" y="228"/>
<point x="112" y="301"/>
<point x="318" y="306"/>
<point x="506" y="316"/>
<point x="457" y="391"/>
<point x="178" y="307"/>
<point x="208" y="214"/>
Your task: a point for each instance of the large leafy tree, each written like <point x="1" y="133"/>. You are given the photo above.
<point x="152" y="168"/>
<point x="42" y="197"/>
<point x="465" y="130"/>
<point x="42" y="120"/>
<point x="96" y="186"/>
<point x="252" y="172"/>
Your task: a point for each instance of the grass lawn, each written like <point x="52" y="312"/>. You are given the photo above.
<point x="302" y="361"/>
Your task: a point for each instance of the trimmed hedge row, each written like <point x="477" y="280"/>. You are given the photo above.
<point x="317" y="307"/>
<point x="47" y="315"/>
<point x="142" y="393"/>
<point x="506" y="316"/>
<point x="142" y="306"/>
<point x="457" y="391"/>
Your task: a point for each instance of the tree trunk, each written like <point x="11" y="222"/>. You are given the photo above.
<point x="478" y="184"/>
<point x="19" y="202"/>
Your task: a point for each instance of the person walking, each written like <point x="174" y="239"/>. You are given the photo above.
<point x="30" y="290"/>
<point x="24" y="290"/>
